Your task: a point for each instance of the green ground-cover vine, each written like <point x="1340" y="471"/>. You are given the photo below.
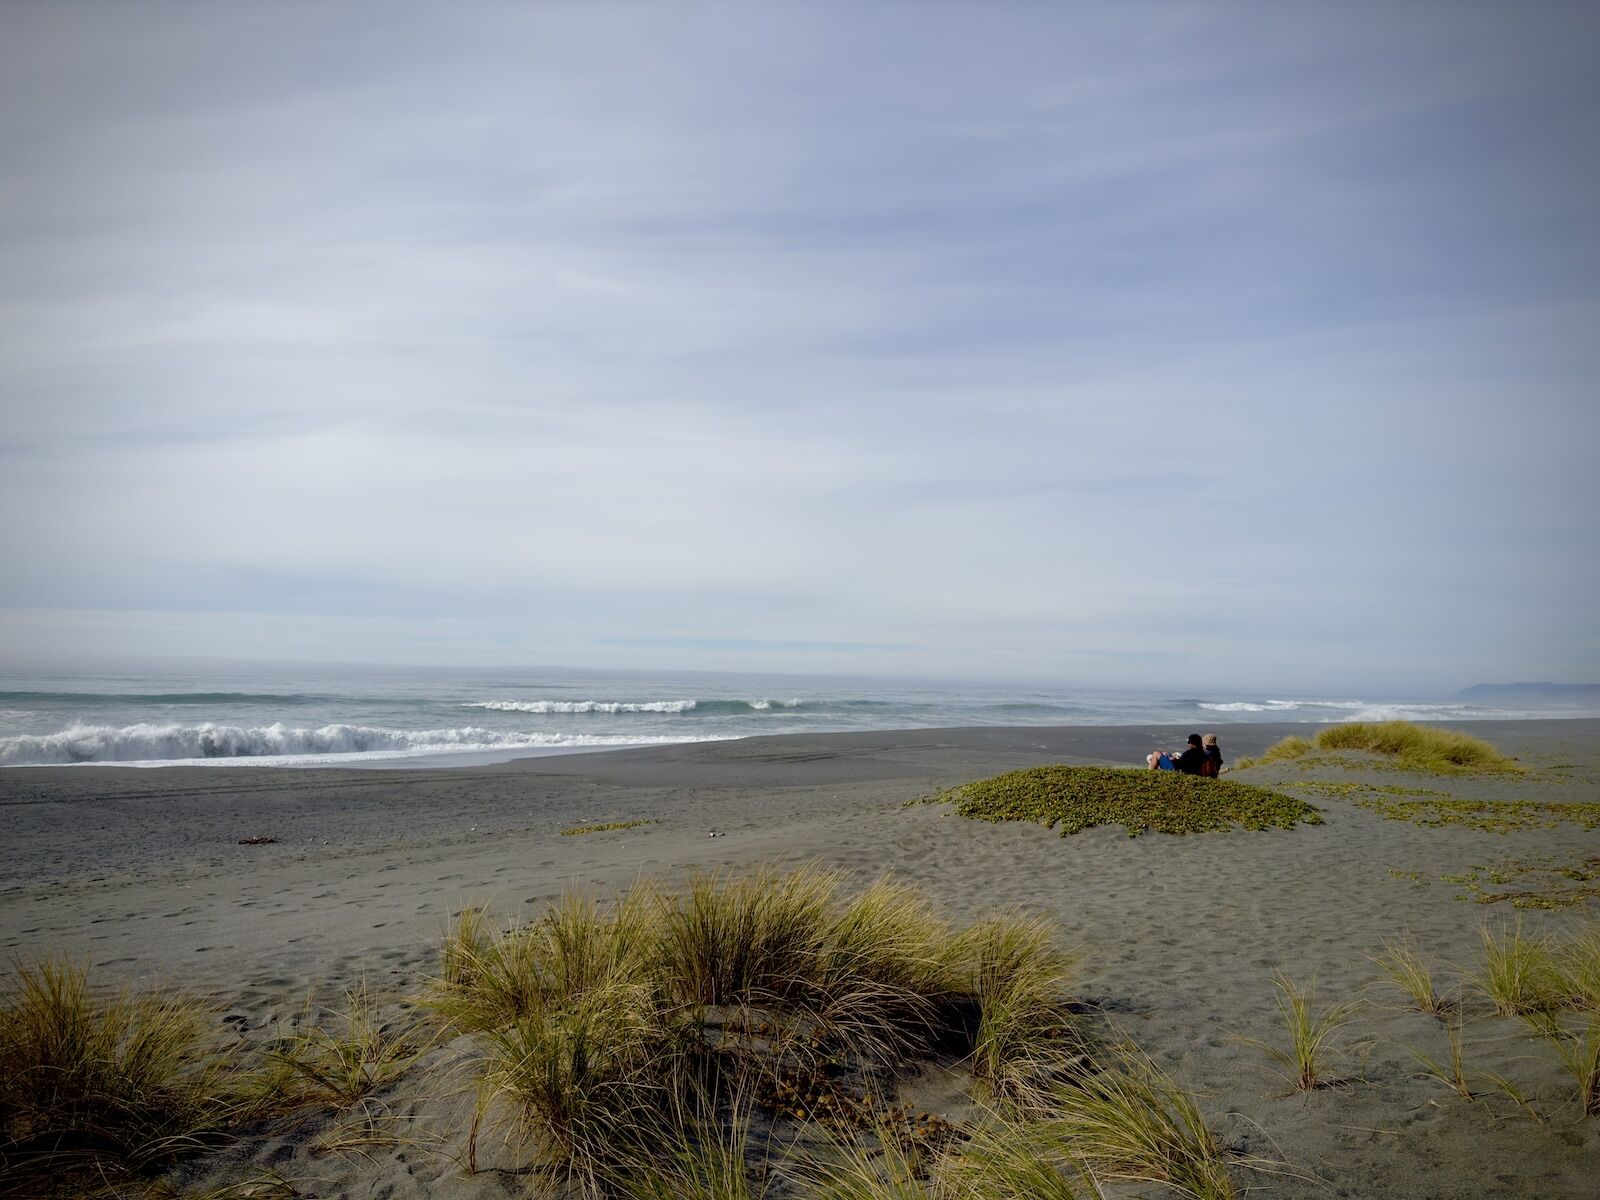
<point x="1490" y="816"/>
<point x="1076" y="798"/>
<point x="606" y="827"/>
<point x="1545" y="884"/>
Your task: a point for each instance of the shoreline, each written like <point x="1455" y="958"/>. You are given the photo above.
<point x="138" y="873"/>
<point x="481" y="756"/>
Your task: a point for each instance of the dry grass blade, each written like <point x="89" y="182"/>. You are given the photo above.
<point x="1453" y="1073"/>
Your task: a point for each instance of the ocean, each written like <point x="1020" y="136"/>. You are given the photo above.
<point x="393" y="716"/>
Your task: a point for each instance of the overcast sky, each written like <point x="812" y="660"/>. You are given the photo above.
<point x="1191" y="345"/>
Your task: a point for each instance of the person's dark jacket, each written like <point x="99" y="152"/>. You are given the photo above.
<point x="1191" y="761"/>
<point x="1213" y="766"/>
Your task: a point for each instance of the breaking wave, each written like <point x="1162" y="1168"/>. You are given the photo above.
<point x="563" y="707"/>
<point x="178" y="743"/>
<point x="546" y="707"/>
<point x="1342" y="710"/>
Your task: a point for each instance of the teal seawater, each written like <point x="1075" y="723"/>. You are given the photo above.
<point x="294" y="716"/>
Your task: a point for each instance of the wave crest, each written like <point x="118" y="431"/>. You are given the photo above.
<point x="178" y="743"/>
<point x="545" y="707"/>
<point x="613" y="707"/>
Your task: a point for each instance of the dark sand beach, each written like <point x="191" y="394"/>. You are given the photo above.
<point x="140" y="873"/>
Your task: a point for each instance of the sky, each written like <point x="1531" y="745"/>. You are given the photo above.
<point x="1180" y="345"/>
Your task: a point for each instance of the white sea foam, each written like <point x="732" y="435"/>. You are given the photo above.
<point x="547" y="707"/>
<point x="1253" y="706"/>
<point x="1345" y="710"/>
<point x="612" y="707"/>
<point x="1411" y="712"/>
<point x="278" y="743"/>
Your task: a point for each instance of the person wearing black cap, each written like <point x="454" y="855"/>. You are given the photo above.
<point x="1193" y="760"/>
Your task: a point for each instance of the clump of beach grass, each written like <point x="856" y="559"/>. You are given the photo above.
<point x="1579" y="1052"/>
<point x="1576" y="965"/>
<point x="1077" y="798"/>
<point x="596" y="1024"/>
<point x="745" y="940"/>
<point x="1307" y="1059"/>
<point x="1015" y="1160"/>
<point x="1024" y="1035"/>
<point x="700" y="1157"/>
<point x="866" y="1165"/>
<point x="340" y="1059"/>
<point x="1517" y="971"/>
<point x="1290" y="748"/>
<point x="1134" y="1123"/>
<point x="490" y="980"/>
<point x="584" y="1082"/>
<point x="99" y="1091"/>
<point x="1417" y="747"/>
<point x="1405" y="967"/>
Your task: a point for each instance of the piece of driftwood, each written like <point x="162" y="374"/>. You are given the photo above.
<point x="257" y="841"/>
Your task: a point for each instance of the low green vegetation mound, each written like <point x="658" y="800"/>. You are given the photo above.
<point x="1416" y="747"/>
<point x="606" y="827"/>
<point x="1075" y="798"/>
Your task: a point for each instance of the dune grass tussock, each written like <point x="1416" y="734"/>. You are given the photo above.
<point x="585" y="1083"/>
<point x="1134" y="1123"/>
<point x="1307" y="1059"/>
<point x="98" y="1090"/>
<point x="1577" y="968"/>
<point x="1416" y="747"/>
<point x="1405" y="967"/>
<point x="1548" y="981"/>
<point x="745" y="940"/>
<point x="1517" y="971"/>
<point x="491" y="979"/>
<point x="1076" y="798"/>
<point x="1007" y="1160"/>
<point x="1024" y="1036"/>
<point x="595" y="1022"/>
<point x="339" y="1059"/>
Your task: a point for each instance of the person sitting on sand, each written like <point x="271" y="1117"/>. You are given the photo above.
<point x="1193" y="759"/>
<point x="1190" y="762"/>
<point x="1212" y="767"/>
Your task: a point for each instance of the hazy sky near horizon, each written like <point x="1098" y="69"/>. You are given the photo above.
<point x="1184" y="345"/>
